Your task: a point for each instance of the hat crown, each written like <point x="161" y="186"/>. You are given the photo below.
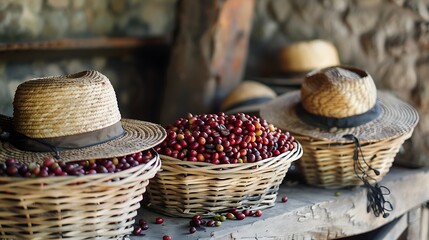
<point x="338" y="92"/>
<point x="245" y="91"/>
<point x="65" y="105"/>
<point x="306" y="56"/>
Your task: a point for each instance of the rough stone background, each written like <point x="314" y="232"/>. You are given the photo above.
<point x="39" y="20"/>
<point x="388" y="38"/>
<point x="129" y="87"/>
<point x="22" y="20"/>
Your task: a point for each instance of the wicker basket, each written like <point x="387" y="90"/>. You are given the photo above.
<point x="330" y="164"/>
<point x="100" y="206"/>
<point x="186" y="188"/>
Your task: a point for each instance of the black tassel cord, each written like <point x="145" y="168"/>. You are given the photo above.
<point x="376" y="193"/>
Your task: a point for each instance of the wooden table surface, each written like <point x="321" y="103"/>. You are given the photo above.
<point x="310" y="212"/>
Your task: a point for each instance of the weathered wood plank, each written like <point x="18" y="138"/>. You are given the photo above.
<point x="208" y="55"/>
<point x="425" y="223"/>
<point x="394" y="229"/>
<point x="84" y="43"/>
<point x="310" y="213"/>
<point x="414" y="221"/>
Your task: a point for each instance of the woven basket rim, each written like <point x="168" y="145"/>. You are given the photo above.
<point x="85" y="178"/>
<point x="203" y="165"/>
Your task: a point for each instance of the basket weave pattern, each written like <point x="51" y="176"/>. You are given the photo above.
<point x="99" y="206"/>
<point x="186" y="188"/>
<point x="330" y="164"/>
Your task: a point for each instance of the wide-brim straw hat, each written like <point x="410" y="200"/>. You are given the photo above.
<point x="341" y="100"/>
<point x="247" y="97"/>
<point x="304" y="56"/>
<point x="72" y="117"/>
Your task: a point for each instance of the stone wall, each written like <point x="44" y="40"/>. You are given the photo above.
<point x="24" y="21"/>
<point x="388" y="38"/>
<point x="133" y="83"/>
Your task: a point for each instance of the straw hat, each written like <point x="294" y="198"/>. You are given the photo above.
<point x="247" y="97"/>
<point x="306" y="56"/>
<point x="341" y="100"/>
<point x="76" y="116"/>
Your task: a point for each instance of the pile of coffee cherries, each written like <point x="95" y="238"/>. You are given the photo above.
<point x="51" y="167"/>
<point x="198" y="221"/>
<point x="224" y="139"/>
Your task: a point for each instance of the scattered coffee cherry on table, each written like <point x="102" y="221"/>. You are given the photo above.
<point x="284" y="199"/>
<point x="198" y="221"/>
<point x="230" y="216"/>
<point x="246" y="212"/>
<point x="192" y="230"/>
<point x="159" y="220"/>
<point x="167" y="237"/>
<point x="51" y="167"/>
<point x="210" y="223"/>
<point x="219" y="217"/>
<point x="137" y="230"/>
<point x="240" y="216"/>
<point x="224" y="139"/>
<point x="143" y="224"/>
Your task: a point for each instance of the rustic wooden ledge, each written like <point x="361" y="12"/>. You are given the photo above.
<point x="310" y="213"/>
<point x="85" y="43"/>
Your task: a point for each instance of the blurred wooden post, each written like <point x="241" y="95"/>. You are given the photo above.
<point x="414" y="224"/>
<point x="208" y="55"/>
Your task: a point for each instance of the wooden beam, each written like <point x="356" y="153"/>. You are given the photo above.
<point x="208" y="55"/>
<point x="84" y="43"/>
<point x="414" y="221"/>
<point x="425" y="222"/>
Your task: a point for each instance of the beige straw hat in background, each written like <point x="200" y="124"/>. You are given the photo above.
<point x="305" y="56"/>
<point x="341" y="100"/>
<point x="74" y="116"/>
<point x="297" y="59"/>
<point x="247" y="97"/>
